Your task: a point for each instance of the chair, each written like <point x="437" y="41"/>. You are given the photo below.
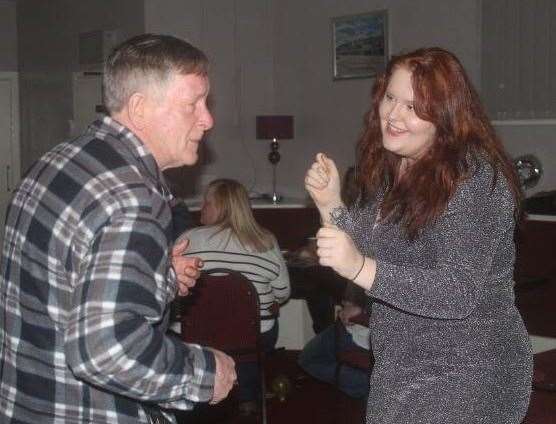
<point x="544" y="376"/>
<point x="542" y="407"/>
<point x="222" y="312"/>
<point x="356" y="357"/>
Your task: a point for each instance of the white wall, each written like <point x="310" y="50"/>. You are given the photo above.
<point x="237" y="37"/>
<point x="539" y="140"/>
<point x="330" y="113"/>
<point x="274" y="56"/>
<point x="268" y="56"/>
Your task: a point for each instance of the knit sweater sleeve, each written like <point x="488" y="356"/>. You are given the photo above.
<point x="465" y="240"/>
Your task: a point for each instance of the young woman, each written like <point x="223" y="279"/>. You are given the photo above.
<point x="432" y="243"/>
<point x="231" y="238"/>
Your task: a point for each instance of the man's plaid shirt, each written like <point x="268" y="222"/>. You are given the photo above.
<point x="86" y="279"/>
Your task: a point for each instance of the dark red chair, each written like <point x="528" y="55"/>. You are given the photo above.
<point x="542" y="407"/>
<point x="222" y="312"/>
<point x="544" y="377"/>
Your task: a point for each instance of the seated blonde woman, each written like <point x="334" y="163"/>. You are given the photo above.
<point x="231" y="238"/>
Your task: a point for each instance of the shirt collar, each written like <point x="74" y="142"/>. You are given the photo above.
<point x="109" y="126"/>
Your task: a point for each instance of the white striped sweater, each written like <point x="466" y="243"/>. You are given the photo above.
<point x="266" y="270"/>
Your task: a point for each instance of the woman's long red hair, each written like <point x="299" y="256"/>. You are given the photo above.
<point x="443" y="95"/>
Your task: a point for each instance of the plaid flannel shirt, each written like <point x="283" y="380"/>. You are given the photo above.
<point x="86" y="278"/>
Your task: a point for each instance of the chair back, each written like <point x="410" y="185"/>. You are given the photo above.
<point x="222" y="312"/>
<point x="544" y="371"/>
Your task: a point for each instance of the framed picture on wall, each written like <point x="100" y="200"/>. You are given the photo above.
<point x="360" y="45"/>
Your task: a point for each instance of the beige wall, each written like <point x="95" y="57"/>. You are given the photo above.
<point x="48" y="54"/>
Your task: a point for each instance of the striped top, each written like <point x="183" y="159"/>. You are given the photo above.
<point x="266" y="270"/>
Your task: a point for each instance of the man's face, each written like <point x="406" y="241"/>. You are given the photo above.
<point x="176" y="120"/>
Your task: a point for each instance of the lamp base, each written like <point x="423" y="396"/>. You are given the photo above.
<point x="273" y="197"/>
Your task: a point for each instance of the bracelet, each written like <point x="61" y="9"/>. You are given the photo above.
<point x="360" y="269"/>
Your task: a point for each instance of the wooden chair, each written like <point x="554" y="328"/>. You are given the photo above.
<point x="222" y="312"/>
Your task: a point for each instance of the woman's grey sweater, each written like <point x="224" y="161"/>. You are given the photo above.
<point x="448" y="342"/>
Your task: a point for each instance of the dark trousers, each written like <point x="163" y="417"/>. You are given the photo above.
<point x="248" y="375"/>
<point x="318" y="358"/>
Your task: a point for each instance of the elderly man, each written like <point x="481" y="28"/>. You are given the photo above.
<point x="87" y="266"/>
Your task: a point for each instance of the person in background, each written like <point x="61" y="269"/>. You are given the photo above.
<point x="322" y="290"/>
<point x="431" y="242"/>
<point x="319" y="356"/>
<point x="230" y="238"/>
<point x="182" y="220"/>
<point x="88" y="266"/>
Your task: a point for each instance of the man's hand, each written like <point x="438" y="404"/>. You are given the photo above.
<point x="187" y="268"/>
<point x="225" y="376"/>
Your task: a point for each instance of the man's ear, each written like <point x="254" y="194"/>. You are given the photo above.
<point x="137" y="110"/>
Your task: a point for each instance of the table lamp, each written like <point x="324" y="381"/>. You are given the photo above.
<point x="274" y="127"/>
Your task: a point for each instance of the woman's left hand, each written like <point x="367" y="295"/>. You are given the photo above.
<point x="336" y="249"/>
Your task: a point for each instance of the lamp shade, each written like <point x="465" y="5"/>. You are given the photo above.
<point x="278" y="127"/>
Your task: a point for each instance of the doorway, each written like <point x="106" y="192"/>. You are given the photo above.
<point x="87" y="96"/>
<point x="9" y="141"/>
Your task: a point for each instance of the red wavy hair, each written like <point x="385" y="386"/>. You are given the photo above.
<point x="443" y="95"/>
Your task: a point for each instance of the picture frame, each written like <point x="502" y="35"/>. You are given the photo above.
<point x="360" y="45"/>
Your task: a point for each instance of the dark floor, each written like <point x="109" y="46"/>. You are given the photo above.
<point x="310" y="401"/>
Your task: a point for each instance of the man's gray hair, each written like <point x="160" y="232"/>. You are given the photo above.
<point x="147" y="60"/>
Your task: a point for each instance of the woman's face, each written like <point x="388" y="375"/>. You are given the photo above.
<point x="209" y="214"/>
<point x="403" y="132"/>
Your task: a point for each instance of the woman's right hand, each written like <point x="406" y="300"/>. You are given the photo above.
<point x="322" y="181"/>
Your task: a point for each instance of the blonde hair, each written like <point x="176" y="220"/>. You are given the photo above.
<point x="231" y="202"/>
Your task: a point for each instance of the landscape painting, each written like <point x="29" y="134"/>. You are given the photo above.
<point x="360" y="45"/>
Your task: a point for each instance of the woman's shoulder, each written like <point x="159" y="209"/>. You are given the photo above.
<point x="487" y="177"/>
<point x="484" y="184"/>
<point x="204" y="231"/>
<point x="273" y="254"/>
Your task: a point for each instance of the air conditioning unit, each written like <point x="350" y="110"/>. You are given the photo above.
<point x="95" y="46"/>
